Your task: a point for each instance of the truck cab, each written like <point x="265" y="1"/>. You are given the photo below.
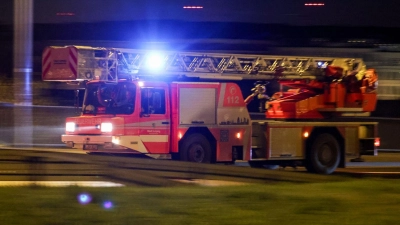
<point x="122" y="117"/>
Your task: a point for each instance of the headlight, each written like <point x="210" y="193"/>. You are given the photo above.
<point x="70" y="126"/>
<point x="106" y="127"/>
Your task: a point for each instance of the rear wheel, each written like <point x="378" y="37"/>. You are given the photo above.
<point x="324" y="155"/>
<point x="196" y="148"/>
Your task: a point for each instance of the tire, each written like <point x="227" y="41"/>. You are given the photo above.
<point x="196" y="148"/>
<point x="324" y="155"/>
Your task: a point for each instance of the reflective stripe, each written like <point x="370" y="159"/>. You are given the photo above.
<point x="154" y="138"/>
<point x="132" y="142"/>
<point x="73" y="60"/>
<point x="46" y="61"/>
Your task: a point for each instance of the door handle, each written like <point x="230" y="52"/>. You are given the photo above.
<point x="166" y="122"/>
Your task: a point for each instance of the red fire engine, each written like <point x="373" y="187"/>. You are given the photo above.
<point x="165" y="106"/>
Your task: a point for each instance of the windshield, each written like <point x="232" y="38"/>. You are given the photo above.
<point x="109" y="98"/>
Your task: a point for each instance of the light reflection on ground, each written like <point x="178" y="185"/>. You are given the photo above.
<point x="60" y="183"/>
<point x="210" y="183"/>
<point x="201" y="182"/>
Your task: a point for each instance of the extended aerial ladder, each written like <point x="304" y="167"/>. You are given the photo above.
<point x="86" y="63"/>
<point x="319" y="86"/>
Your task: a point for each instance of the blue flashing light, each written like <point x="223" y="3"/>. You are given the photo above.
<point x="84" y="198"/>
<point x="322" y="65"/>
<point x="155" y="61"/>
<point x="107" y="204"/>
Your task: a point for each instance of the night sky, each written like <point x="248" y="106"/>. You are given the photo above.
<point x="381" y="13"/>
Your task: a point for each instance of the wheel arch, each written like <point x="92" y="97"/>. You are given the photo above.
<point x="335" y="133"/>
<point x="206" y="133"/>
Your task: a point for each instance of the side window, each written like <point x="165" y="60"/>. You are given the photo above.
<point x="153" y="101"/>
<point x="123" y="100"/>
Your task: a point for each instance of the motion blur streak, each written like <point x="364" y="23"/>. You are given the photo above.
<point x="61" y="183"/>
<point x="23" y="38"/>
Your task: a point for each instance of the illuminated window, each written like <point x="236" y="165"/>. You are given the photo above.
<point x="65" y="14"/>
<point x="192" y="7"/>
<point x="314" y="4"/>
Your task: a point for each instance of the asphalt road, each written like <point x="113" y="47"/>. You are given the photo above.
<point x="33" y="125"/>
<point x="44" y="125"/>
<point x="385" y="165"/>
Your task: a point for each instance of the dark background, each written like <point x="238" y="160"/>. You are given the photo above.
<point x="237" y="26"/>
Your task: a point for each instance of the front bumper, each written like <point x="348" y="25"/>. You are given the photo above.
<point x="96" y="143"/>
<point x="99" y="143"/>
<point x="85" y="139"/>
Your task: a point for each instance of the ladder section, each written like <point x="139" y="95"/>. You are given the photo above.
<point x="112" y="64"/>
<point x="232" y="66"/>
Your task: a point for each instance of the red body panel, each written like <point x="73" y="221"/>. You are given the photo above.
<point x="162" y="133"/>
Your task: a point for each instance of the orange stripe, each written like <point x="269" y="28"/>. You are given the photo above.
<point x="73" y="61"/>
<point x="46" y="62"/>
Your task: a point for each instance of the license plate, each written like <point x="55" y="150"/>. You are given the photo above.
<point x="90" y="147"/>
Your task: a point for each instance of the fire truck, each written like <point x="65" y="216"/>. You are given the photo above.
<point x="189" y="106"/>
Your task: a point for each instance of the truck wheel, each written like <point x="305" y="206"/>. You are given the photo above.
<point x="196" y="148"/>
<point x="324" y="155"/>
